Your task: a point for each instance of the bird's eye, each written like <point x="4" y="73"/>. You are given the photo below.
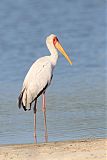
<point x="55" y="40"/>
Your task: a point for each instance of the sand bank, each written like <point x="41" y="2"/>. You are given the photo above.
<point x="69" y="150"/>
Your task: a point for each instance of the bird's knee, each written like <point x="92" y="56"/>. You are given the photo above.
<point x="43" y="109"/>
<point x="35" y="110"/>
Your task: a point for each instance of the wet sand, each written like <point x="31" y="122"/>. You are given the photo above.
<point x="95" y="149"/>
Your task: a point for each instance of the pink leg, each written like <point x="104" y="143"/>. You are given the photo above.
<point x="35" y="109"/>
<point x="44" y="111"/>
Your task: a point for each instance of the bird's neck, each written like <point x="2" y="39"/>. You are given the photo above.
<point x="54" y="54"/>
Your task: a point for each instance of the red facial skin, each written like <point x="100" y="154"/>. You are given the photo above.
<point x="55" y="40"/>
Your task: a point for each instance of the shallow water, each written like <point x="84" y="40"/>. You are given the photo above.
<point x="76" y="100"/>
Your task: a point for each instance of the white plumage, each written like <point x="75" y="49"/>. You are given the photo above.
<point x="39" y="77"/>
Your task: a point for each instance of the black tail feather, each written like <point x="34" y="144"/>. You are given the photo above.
<point x="24" y="107"/>
<point x="20" y="103"/>
<point x="20" y="99"/>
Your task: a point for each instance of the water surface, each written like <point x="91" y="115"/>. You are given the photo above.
<point x="76" y="100"/>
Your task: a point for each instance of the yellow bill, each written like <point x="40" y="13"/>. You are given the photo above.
<point x="60" y="48"/>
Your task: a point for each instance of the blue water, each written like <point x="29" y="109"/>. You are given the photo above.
<point x="76" y="99"/>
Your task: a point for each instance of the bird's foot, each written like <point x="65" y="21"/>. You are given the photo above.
<point x="46" y="137"/>
<point x="35" y="138"/>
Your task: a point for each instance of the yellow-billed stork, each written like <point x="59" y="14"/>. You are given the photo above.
<point x="39" y="78"/>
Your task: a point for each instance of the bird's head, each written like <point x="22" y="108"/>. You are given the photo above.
<point x="53" y="41"/>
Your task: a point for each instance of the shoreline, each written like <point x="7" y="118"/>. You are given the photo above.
<point x="94" y="149"/>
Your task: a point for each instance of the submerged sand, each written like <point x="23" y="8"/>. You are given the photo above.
<point x="69" y="150"/>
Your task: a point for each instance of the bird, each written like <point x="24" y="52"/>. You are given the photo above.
<point x="38" y="79"/>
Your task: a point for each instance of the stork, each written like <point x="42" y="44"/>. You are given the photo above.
<point x="39" y="78"/>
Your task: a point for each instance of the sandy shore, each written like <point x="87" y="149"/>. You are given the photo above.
<point x="69" y="150"/>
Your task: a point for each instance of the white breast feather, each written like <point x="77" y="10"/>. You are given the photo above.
<point x="36" y="79"/>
